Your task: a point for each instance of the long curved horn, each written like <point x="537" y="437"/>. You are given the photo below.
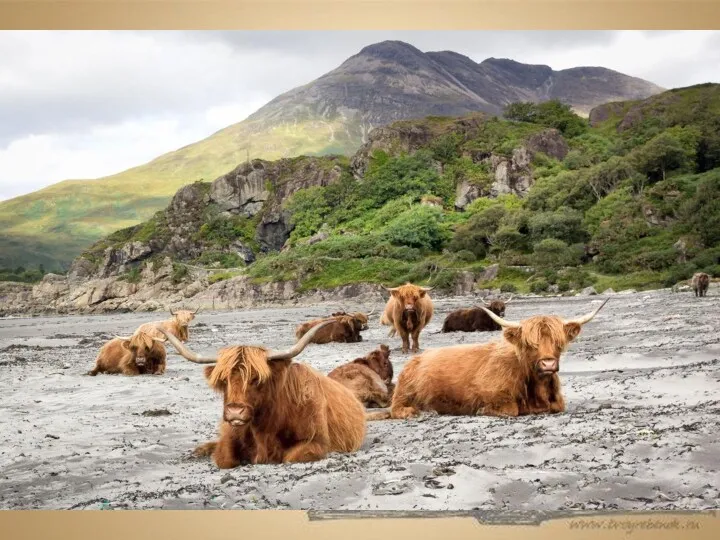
<point x="509" y="299"/>
<point x="196" y="311"/>
<point x="369" y="314"/>
<point x="185" y="352"/>
<point x="502" y="322"/>
<point x="427" y="289"/>
<point x="300" y="345"/>
<point x="161" y="340"/>
<point x="391" y="289"/>
<point x="483" y="301"/>
<point x="124" y="338"/>
<point x="589" y="317"/>
<point x="172" y="312"/>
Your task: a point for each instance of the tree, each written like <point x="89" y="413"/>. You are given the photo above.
<point x="703" y="210"/>
<point x="659" y="155"/>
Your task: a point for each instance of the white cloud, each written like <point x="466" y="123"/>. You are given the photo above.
<point x="93" y="103"/>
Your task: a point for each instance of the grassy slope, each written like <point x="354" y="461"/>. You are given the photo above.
<point x="53" y="225"/>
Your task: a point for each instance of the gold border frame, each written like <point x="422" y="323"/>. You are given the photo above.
<point x="360" y="14"/>
<point x="354" y="15"/>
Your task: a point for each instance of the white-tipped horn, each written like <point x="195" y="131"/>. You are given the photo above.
<point x="369" y="314"/>
<point x="391" y="289"/>
<point x="301" y="343"/>
<point x="196" y="311"/>
<point x="427" y="289"/>
<point x="124" y="338"/>
<point x="589" y="317"/>
<point x="483" y="301"/>
<point x="509" y="299"/>
<point x="185" y="352"/>
<point x="502" y="322"/>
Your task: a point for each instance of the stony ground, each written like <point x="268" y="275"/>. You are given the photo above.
<point x="641" y="431"/>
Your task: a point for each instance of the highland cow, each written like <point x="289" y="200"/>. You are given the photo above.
<point x="516" y="375"/>
<point x="178" y="325"/>
<point x="341" y="329"/>
<point x="138" y="354"/>
<point x="362" y="317"/>
<point x="369" y="378"/>
<point x="700" y="283"/>
<point x="408" y="310"/>
<point x="475" y="319"/>
<point x="276" y="410"/>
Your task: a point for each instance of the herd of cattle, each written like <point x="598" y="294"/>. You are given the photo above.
<point x="279" y="411"/>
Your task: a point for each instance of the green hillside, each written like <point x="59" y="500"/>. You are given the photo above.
<point x="53" y="225"/>
<point x="633" y="202"/>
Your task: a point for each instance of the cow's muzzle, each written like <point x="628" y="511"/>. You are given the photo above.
<point x="548" y="365"/>
<point x="410" y="308"/>
<point x="237" y="414"/>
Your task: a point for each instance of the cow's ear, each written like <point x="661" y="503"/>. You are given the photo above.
<point x="126" y="344"/>
<point x="207" y="371"/>
<point x="572" y="330"/>
<point x="513" y="335"/>
<point x="422" y="293"/>
<point x="362" y="361"/>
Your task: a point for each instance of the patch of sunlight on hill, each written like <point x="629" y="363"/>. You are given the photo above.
<point x="62" y="219"/>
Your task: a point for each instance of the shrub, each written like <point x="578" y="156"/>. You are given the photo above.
<point x="508" y="288"/>
<point x="539" y="286"/>
<point x="420" y="227"/>
<point x="551" y="253"/>
<point x="179" y="272"/>
<point x="465" y="256"/>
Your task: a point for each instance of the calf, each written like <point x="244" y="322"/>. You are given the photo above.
<point x="134" y="355"/>
<point x="369" y="378"/>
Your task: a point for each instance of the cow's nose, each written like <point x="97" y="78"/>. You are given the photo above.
<point x="409" y="307"/>
<point x="548" y="364"/>
<point x="237" y="414"/>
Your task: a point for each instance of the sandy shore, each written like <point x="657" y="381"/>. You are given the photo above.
<point x="641" y="431"/>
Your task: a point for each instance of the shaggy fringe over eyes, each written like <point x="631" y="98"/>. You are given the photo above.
<point x="536" y="328"/>
<point x="184" y="317"/>
<point x="142" y="340"/>
<point x="249" y="361"/>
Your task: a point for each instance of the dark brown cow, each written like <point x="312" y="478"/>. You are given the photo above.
<point x="276" y="410"/>
<point x="342" y="329"/>
<point x="516" y="375"/>
<point x="408" y="310"/>
<point x="138" y="354"/>
<point x="369" y="378"/>
<point x="475" y="319"/>
<point x="700" y="283"/>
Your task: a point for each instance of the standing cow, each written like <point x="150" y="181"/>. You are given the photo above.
<point x="475" y="319"/>
<point x="138" y="354"/>
<point x="700" y="283"/>
<point x="516" y="375"/>
<point x="408" y="310"/>
<point x="276" y="410"/>
<point x="369" y="378"/>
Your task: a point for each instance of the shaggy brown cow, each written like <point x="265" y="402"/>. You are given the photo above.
<point x="178" y="325"/>
<point x="341" y="329"/>
<point x="357" y="315"/>
<point x="276" y="410"/>
<point x="408" y="310"/>
<point x="516" y="375"/>
<point x="133" y="355"/>
<point x="700" y="283"/>
<point x="369" y="378"/>
<point x="475" y="319"/>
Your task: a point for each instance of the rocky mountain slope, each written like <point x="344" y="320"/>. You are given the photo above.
<point x="334" y="114"/>
<point x="462" y="203"/>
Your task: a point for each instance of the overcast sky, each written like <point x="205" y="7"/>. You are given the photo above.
<point x="77" y="105"/>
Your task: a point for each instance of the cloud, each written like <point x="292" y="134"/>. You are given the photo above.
<point x="92" y="103"/>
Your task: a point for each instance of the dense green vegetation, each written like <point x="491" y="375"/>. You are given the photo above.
<point x="22" y="274"/>
<point x="609" y="214"/>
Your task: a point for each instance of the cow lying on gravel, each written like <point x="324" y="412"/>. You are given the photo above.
<point x="475" y="319"/>
<point x="516" y="375"/>
<point x="138" y="354"/>
<point x="178" y="325"/>
<point x="362" y="317"/>
<point x="276" y="410"/>
<point x="369" y="378"/>
<point x="341" y="329"/>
